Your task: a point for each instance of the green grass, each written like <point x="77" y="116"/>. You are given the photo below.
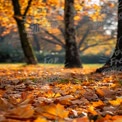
<point x="92" y="65"/>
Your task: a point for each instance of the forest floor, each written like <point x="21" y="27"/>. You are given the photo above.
<point x="50" y="93"/>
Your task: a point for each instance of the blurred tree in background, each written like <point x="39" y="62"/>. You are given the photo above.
<point x="115" y="61"/>
<point x="95" y="25"/>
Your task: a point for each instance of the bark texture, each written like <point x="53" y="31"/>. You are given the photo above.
<point x="26" y="46"/>
<point x="72" y="58"/>
<point x="115" y="62"/>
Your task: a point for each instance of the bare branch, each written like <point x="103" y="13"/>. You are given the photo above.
<point x="51" y="41"/>
<point x="62" y="31"/>
<point x="88" y="46"/>
<point x="84" y="37"/>
<point x="54" y="37"/>
<point x="84" y="20"/>
<point x="27" y="8"/>
<point x="96" y="44"/>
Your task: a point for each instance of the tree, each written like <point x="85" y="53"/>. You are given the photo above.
<point x="87" y="26"/>
<point x="72" y="58"/>
<point x="115" y="61"/>
<point x="26" y="46"/>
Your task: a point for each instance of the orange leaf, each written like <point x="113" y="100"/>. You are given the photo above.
<point x="98" y="104"/>
<point x="39" y="119"/>
<point x="82" y="119"/>
<point x="117" y="118"/>
<point x="100" y="92"/>
<point x="91" y="110"/>
<point x="53" y="111"/>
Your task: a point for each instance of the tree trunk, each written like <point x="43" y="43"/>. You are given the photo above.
<point x="36" y="42"/>
<point x="72" y="58"/>
<point x="26" y="46"/>
<point x="115" y="62"/>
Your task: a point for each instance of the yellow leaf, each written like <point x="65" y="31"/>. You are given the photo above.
<point x="77" y="18"/>
<point x="96" y="7"/>
<point x="51" y="94"/>
<point x="39" y="119"/>
<point x="91" y="110"/>
<point x="78" y="7"/>
<point x="116" y="102"/>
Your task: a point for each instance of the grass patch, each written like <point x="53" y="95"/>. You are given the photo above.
<point x="92" y="65"/>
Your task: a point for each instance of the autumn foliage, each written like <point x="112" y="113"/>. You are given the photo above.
<point x="52" y="93"/>
<point x="41" y="10"/>
<point x="35" y="94"/>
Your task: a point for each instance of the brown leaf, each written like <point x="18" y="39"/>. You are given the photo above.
<point x="23" y="112"/>
<point x="109" y="118"/>
<point x="4" y="105"/>
<point x="46" y="100"/>
<point x="65" y="99"/>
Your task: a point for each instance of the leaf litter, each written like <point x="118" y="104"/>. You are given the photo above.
<point x="39" y="94"/>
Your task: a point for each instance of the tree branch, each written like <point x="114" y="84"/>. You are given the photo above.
<point x="16" y="8"/>
<point x="27" y="8"/>
<point x="96" y="44"/>
<point x="54" y="37"/>
<point x="62" y="31"/>
<point x="51" y="41"/>
<point x="84" y="20"/>
<point x="84" y="37"/>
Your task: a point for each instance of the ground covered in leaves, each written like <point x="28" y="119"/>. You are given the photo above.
<point x="54" y="94"/>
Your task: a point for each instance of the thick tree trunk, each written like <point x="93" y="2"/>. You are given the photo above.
<point x="115" y="62"/>
<point x="26" y="46"/>
<point x="72" y="58"/>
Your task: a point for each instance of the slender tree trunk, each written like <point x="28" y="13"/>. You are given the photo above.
<point x="36" y="42"/>
<point x="72" y="58"/>
<point x="26" y="46"/>
<point x="115" y="62"/>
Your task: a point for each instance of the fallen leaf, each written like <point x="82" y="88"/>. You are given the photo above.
<point x="100" y="92"/>
<point x="82" y="119"/>
<point x="25" y="111"/>
<point x="54" y="110"/>
<point x="65" y="100"/>
<point x="117" y="118"/>
<point x="116" y="102"/>
<point x="39" y="119"/>
<point x="91" y="110"/>
<point x="4" y="105"/>
<point x="98" y="104"/>
<point x="109" y="118"/>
